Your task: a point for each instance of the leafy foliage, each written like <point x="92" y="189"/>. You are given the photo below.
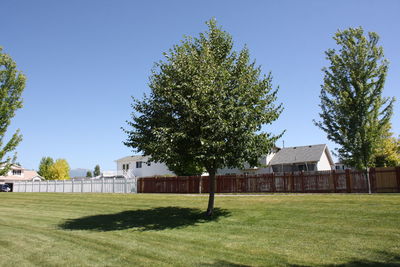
<point x="44" y="167"/>
<point x="59" y="170"/>
<point x="354" y="113"/>
<point x="388" y="151"/>
<point x="89" y="174"/>
<point x="206" y="107"/>
<point x="96" y="171"/>
<point x="12" y="84"/>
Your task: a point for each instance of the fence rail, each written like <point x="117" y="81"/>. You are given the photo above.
<point x="382" y="180"/>
<point x="81" y="186"/>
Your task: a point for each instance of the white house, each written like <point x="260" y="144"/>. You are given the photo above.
<point x="289" y="159"/>
<point x="302" y="158"/>
<point x="17" y="173"/>
<point x="139" y="166"/>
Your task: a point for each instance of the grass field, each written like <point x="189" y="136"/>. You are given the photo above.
<point x="53" y="229"/>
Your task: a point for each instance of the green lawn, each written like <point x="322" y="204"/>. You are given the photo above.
<point x="54" y="229"/>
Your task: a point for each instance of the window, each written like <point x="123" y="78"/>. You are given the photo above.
<point x="138" y="164"/>
<point x="127" y="167"/>
<point x="148" y="163"/>
<point x="16" y="172"/>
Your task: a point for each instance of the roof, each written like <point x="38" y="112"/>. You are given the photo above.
<point x="27" y="176"/>
<point x="134" y="158"/>
<point x="300" y="154"/>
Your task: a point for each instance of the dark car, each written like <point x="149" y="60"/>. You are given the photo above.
<point x="5" y="188"/>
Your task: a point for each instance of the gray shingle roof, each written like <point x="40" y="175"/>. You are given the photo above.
<point x="134" y="158"/>
<point x="299" y="154"/>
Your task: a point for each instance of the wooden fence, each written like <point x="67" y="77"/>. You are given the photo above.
<point x="81" y="186"/>
<point x="382" y="180"/>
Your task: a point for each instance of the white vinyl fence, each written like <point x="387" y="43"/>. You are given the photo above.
<point x="120" y="185"/>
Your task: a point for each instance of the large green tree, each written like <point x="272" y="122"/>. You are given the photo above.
<point x="44" y="167"/>
<point x="207" y="107"/>
<point x="354" y="112"/>
<point x="12" y="84"/>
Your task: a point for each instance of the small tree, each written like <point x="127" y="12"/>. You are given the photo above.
<point x="59" y="170"/>
<point x="96" y="171"/>
<point x="354" y="113"/>
<point x="207" y="106"/>
<point x="89" y="174"/>
<point x="44" y="167"/>
<point x="12" y="84"/>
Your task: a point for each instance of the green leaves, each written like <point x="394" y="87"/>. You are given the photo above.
<point x="12" y="83"/>
<point x="206" y="107"/>
<point x="354" y="113"/>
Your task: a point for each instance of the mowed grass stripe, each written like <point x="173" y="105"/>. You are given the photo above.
<point x="258" y="230"/>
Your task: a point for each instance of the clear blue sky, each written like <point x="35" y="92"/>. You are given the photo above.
<point x="84" y="59"/>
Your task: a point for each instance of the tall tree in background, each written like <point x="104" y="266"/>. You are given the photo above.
<point x="96" y="171"/>
<point x="44" y="167"/>
<point x="12" y="84"/>
<point x="89" y="174"/>
<point x="354" y="113"/>
<point x="207" y="107"/>
<point x="59" y="170"/>
<point x="388" y="151"/>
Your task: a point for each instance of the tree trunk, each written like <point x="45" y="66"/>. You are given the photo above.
<point x="212" y="183"/>
<point x="368" y="180"/>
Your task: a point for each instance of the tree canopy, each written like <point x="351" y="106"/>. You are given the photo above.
<point x="12" y="84"/>
<point x="59" y="170"/>
<point x="44" y="167"/>
<point x="54" y="170"/>
<point x="207" y="107"/>
<point x="354" y="113"/>
<point x="96" y="171"/>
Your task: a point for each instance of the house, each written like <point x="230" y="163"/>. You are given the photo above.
<point x="342" y="166"/>
<point x="263" y="164"/>
<point x="288" y="159"/>
<point x="17" y="174"/>
<point x="302" y="158"/>
<point x="140" y="166"/>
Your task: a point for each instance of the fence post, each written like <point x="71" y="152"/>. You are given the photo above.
<point x="81" y="186"/>
<point x="348" y="181"/>
<point x="47" y="186"/>
<point x="125" y="185"/>
<point x="292" y="185"/>
<point x="273" y="183"/>
<point x="102" y="185"/>
<point x="39" y="186"/>
<point x="55" y="186"/>
<point x="91" y="186"/>
<point x="113" y="190"/>
<point x="398" y="178"/>
<point x="72" y="185"/>
<point x="63" y="186"/>
<point x="200" y="184"/>
<point x="372" y="177"/>
<point x="302" y="182"/>
<point x="334" y="180"/>
<point x="26" y="185"/>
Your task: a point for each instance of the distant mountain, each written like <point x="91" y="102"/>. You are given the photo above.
<point x="79" y="172"/>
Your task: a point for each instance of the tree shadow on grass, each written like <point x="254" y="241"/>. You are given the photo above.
<point x="386" y="259"/>
<point x="160" y="218"/>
